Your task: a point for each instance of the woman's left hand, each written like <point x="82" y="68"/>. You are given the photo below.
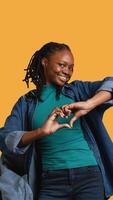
<point x="78" y="109"/>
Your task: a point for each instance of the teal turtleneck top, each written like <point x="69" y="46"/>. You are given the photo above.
<point x="66" y="148"/>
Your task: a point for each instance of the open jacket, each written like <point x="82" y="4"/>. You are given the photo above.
<point x="24" y="163"/>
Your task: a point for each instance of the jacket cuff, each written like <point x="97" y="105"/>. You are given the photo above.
<point x="107" y="86"/>
<point x="12" y="140"/>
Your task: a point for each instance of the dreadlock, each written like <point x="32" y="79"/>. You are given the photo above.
<point x="35" y="70"/>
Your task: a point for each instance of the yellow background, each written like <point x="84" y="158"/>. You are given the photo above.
<point x="85" y="25"/>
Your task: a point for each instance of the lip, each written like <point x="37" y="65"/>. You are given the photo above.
<point x="63" y="78"/>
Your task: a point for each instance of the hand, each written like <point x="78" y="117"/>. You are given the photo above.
<point x="79" y="109"/>
<point x="51" y="125"/>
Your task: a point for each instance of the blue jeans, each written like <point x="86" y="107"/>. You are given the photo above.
<point x="83" y="183"/>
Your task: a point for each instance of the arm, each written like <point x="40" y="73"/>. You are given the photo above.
<point x="99" y="98"/>
<point x="14" y="126"/>
<point x="91" y="88"/>
<point x="87" y="89"/>
<point x="49" y="127"/>
<point x="83" y="107"/>
<point x="15" y="133"/>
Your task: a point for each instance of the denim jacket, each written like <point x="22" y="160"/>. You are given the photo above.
<point x="26" y="162"/>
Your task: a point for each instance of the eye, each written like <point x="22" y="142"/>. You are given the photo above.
<point x="61" y="64"/>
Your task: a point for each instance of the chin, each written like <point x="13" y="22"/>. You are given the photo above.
<point x="60" y="83"/>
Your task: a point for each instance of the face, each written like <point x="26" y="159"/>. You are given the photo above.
<point x="58" y="68"/>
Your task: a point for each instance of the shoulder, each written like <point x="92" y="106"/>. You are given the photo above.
<point x="32" y="94"/>
<point x="22" y="100"/>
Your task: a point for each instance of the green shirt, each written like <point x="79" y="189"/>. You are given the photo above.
<point x="66" y="148"/>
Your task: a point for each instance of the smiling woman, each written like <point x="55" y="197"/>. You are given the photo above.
<point x="53" y="63"/>
<point x="57" y="132"/>
<point x="58" y="68"/>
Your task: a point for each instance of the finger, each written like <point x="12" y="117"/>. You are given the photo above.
<point x="65" y="107"/>
<point x="55" y="109"/>
<point x="64" y="126"/>
<point x="68" y="106"/>
<point x="66" y="110"/>
<point x="59" y="111"/>
<point x="54" y="115"/>
<point x="76" y="105"/>
<point x="67" y="113"/>
<point x="72" y="121"/>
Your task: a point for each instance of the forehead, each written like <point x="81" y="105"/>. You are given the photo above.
<point x="63" y="55"/>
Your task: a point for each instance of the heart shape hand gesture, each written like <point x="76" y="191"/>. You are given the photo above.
<point x="78" y="109"/>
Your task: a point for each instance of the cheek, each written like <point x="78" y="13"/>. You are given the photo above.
<point x="53" y="71"/>
<point x="57" y="70"/>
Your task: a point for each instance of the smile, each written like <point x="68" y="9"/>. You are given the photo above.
<point x="63" y="78"/>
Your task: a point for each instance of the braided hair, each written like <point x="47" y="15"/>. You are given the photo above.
<point x="35" y="70"/>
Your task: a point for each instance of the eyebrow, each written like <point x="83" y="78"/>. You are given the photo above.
<point x="67" y="63"/>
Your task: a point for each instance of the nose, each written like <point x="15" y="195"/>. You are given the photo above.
<point x="65" y="70"/>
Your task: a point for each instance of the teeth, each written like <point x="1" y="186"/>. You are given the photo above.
<point x="62" y="78"/>
<point x="61" y="75"/>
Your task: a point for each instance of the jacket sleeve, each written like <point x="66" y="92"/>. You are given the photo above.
<point x="13" y="186"/>
<point x="91" y="88"/>
<point x="105" y="85"/>
<point x="14" y="128"/>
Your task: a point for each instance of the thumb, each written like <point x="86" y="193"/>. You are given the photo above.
<point x="64" y="126"/>
<point x="72" y="121"/>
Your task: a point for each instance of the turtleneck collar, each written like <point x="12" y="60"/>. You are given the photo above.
<point x="47" y="90"/>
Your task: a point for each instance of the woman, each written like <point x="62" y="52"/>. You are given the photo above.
<point x="58" y="128"/>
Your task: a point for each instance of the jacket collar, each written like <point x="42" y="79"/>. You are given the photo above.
<point x="66" y="90"/>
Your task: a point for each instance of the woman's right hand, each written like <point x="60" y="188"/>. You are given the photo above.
<point x="51" y="125"/>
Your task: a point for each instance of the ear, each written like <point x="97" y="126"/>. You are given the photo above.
<point x="44" y="61"/>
